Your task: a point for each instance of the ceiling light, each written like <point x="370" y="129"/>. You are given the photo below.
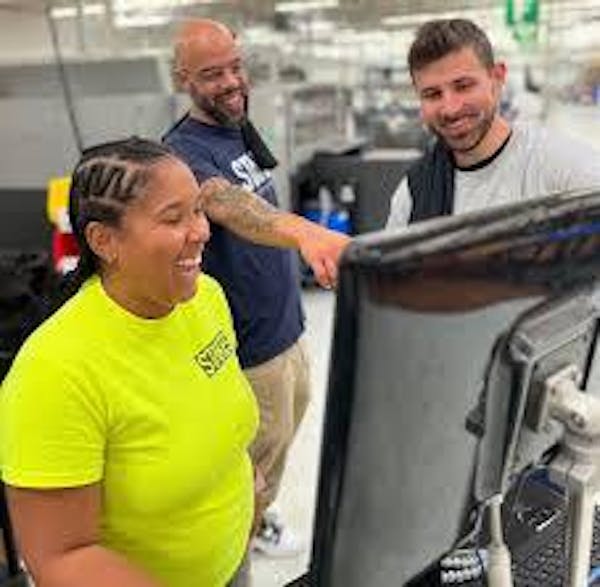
<point x="151" y="5"/>
<point x="141" y="20"/>
<point x="148" y="13"/>
<point x="414" y="20"/>
<point x="305" y="6"/>
<point x="60" y="12"/>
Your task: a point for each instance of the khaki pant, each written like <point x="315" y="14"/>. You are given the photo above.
<point x="281" y="386"/>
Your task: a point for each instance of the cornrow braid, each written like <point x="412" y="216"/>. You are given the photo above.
<point x="105" y="180"/>
<point x="100" y="190"/>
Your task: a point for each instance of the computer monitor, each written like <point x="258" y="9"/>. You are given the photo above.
<point x="420" y="317"/>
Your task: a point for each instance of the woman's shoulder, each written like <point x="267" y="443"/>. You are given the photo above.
<point x="56" y="336"/>
<point x="64" y="331"/>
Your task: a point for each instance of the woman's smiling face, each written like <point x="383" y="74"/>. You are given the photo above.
<point x="159" y="242"/>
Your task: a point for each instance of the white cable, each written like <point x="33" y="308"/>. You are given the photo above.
<point x="498" y="562"/>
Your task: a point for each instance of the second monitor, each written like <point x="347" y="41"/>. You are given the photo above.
<point x="410" y="447"/>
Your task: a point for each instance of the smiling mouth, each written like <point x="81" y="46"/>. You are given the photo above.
<point x="232" y="99"/>
<point x="190" y="264"/>
<point x="457" y="126"/>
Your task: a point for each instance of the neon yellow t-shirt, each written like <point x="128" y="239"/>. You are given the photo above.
<point x="157" y="411"/>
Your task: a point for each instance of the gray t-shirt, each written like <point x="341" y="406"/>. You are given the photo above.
<point x="535" y="162"/>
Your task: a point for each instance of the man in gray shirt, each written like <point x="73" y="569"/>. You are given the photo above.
<point x="479" y="159"/>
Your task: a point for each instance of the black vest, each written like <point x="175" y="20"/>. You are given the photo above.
<point x="431" y="184"/>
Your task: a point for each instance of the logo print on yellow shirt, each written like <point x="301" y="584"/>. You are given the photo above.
<point x="214" y="355"/>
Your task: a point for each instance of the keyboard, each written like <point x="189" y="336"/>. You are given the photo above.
<point x="534" y="518"/>
<point x="535" y="532"/>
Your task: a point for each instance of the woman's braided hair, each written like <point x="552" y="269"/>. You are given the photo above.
<point x="105" y="180"/>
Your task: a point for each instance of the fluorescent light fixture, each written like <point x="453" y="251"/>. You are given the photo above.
<point x="148" y="13"/>
<point x="414" y="20"/>
<point x="316" y="28"/>
<point x="141" y="20"/>
<point x="61" y="12"/>
<point x="151" y="5"/>
<point x="405" y="20"/>
<point x="305" y="6"/>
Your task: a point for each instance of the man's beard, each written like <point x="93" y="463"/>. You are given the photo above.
<point x="211" y="108"/>
<point x="478" y="134"/>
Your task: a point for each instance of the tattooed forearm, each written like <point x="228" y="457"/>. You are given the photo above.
<point x="254" y="219"/>
<point x="243" y="212"/>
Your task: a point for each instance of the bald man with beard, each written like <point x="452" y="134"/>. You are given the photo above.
<point x="249" y="249"/>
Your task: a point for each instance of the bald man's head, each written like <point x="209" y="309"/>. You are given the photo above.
<point x="199" y="37"/>
<point x="208" y="67"/>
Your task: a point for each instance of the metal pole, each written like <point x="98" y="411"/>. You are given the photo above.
<point x="80" y="26"/>
<point x="63" y="78"/>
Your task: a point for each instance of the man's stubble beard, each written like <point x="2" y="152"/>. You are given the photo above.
<point x="217" y="114"/>
<point x="480" y="131"/>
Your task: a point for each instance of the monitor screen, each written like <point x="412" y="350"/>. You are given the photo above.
<point x="420" y="317"/>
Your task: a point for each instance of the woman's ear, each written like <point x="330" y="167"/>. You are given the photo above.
<point x="101" y="240"/>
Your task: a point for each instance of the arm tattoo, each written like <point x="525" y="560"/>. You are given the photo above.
<point x="243" y="212"/>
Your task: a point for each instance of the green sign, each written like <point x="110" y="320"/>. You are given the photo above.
<point x="522" y="17"/>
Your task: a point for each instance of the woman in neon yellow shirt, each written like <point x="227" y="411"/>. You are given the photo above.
<point x="125" y="418"/>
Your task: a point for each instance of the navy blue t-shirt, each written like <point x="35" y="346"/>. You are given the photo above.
<point x="260" y="282"/>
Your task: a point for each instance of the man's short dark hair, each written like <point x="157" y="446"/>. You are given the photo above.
<point x="437" y="38"/>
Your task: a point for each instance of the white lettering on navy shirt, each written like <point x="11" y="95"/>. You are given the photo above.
<point x="249" y="173"/>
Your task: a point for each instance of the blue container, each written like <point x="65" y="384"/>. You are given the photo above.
<point x="338" y="220"/>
